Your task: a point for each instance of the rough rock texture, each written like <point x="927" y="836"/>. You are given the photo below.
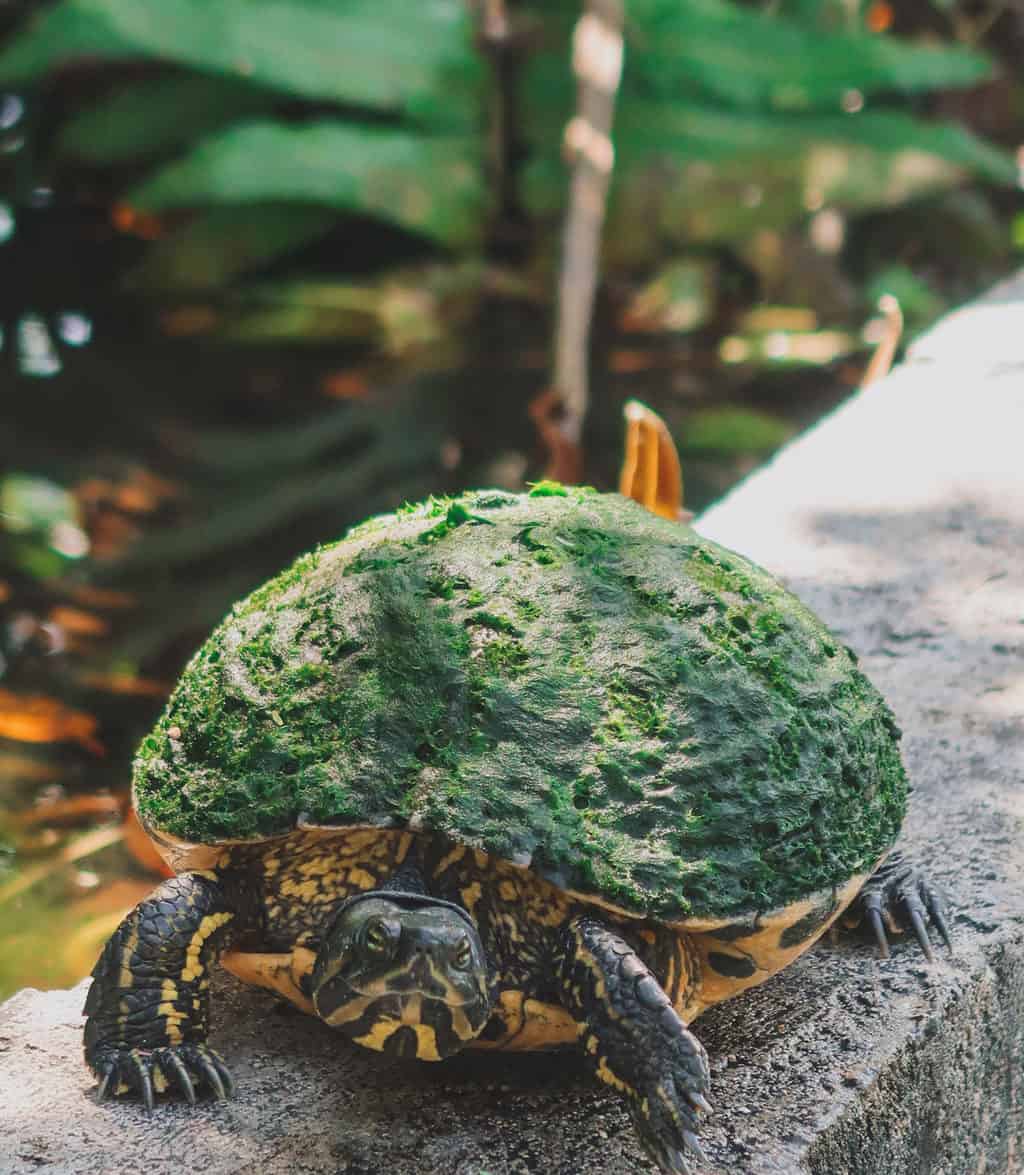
<point x="901" y="521"/>
<point x="559" y="678"/>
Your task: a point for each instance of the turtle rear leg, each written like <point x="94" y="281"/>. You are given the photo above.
<point x="898" y="897"/>
<point x="635" y="1041"/>
<point x="148" y="1007"/>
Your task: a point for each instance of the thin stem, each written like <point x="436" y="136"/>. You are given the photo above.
<point x="597" y="63"/>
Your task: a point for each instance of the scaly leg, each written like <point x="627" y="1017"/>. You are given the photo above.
<point x="635" y="1040"/>
<point x="148" y="1006"/>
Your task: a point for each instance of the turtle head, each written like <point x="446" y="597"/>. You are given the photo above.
<point x="403" y="973"/>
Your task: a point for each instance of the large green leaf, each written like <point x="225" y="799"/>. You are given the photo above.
<point x="876" y="158"/>
<point x="691" y="131"/>
<point x="391" y="55"/>
<point x="675" y="199"/>
<point x="153" y="117"/>
<point x="746" y="57"/>
<point x="223" y="242"/>
<point x="738" y="56"/>
<point x="429" y="185"/>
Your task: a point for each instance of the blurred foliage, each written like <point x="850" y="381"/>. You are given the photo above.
<point x="288" y="114"/>
<point x="381" y="183"/>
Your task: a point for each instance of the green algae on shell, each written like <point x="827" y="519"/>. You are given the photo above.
<point x="557" y="677"/>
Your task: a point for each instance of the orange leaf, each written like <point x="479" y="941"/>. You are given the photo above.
<point x="78" y="622"/>
<point x="651" y="473"/>
<point x="67" y="810"/>
<point x="126" y="684"/>
<point x="344" y="385"/>
<point x="38" y="719"/>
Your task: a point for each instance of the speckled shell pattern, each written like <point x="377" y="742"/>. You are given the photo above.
<point x="560" y="679"/>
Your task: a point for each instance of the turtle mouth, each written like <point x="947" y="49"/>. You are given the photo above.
<point x="406" y="1024"/>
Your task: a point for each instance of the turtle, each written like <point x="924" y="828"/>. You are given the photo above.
<point x="509" y="771"/>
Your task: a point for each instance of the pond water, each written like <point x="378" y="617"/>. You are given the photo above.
<point x="149" y="478"/>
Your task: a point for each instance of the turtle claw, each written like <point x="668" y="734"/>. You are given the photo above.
<point x="213" y="1077"/>
<point x="898" y="897"/>
<point x="142" y="1071"/>
<point x="699" y="1101"/>
<point x="104" y="1086"/>
<point x="693" y="1144"/>
<point x="177" y="1067"/>
<point x="674" y="1163"/>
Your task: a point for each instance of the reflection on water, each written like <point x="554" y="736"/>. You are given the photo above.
<point x="147" y="482"/>
<point x="107" y="585"/>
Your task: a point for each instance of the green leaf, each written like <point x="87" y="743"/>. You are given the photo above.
<point x="389" y="55"/>
<point x="749" y="58"/>
<point x="29" y="503"/>
<point x="734" y="430"/>
<point x="919" y="302"/>
<point x="223" y="242"/>
<point x="429" y="185"/>
<point x="154" y="117"/>
<point x="702" y="132"/>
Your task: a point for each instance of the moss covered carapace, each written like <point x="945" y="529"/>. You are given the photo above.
<point x="556" y="678"/>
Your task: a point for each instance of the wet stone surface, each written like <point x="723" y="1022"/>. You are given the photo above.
<point x="900" y="520"/>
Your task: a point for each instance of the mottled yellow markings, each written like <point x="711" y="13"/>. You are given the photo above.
<point x="159" y="1080"/>
<point x="600" y="987"/>
<point x="530" y="1025"/>
<point x="316" y="866"/>
<point x="591" y="1045"/>
<point x="763" y="947"/>
<point x="282" y="973"/>
<point x="125" y="977"/>
<point x="271" y="864"/>
<point x="449" y="859"/>
<point x="461" y="1025"/>
<point x="508" y="891"/>
<point x="194" y="968"/>
<point x="362" y="879"/>
<point x="605" y="1074"/>
<point x="305" y="891"/>
<point x="470" y="896"/>
<point x="172" y="1021"/>
<point x="426" y="1043"/>
<point x="670" y="975"/>
<point x="385" y="1028"/>
<point x="378" y="1035"/>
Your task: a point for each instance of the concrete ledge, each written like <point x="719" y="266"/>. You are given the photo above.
<point x="900" y="519"/>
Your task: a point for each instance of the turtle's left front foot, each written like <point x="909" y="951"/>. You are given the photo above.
<point x="898" y="897"/>
<point x="636" y="1042"/>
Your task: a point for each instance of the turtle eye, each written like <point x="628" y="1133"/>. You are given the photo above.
<point x="377" y="936"/>
<point x="462" y="956"/>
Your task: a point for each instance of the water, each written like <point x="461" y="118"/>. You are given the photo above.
<point x="150" y="477"/>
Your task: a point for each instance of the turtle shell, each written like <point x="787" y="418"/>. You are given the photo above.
<point x="560" y="679"/>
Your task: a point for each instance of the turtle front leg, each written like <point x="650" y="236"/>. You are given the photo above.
<point x="635" y="1040"/>
<point x="899" y="897"/>
<point x="148" y="1007"/>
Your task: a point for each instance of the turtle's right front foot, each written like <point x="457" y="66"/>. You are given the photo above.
<point x="142" y="1072"/>
<point x="148" y="1005"/>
